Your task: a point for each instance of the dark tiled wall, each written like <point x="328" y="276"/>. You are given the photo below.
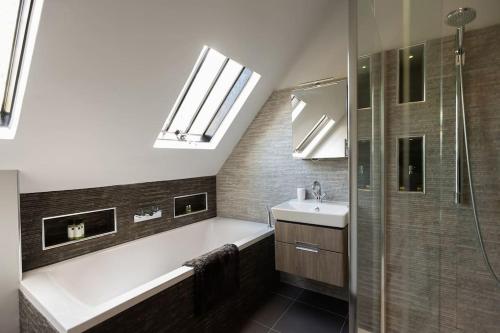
<point x="412" y="219"/>
<point x="31" y="320"/>
<point x="261" y="169"/>
<point x="126" y="198"/>
<point x="172" y="310"/>
<point x="436" y="279"/>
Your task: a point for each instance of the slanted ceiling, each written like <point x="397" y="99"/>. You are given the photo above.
<point x="105" y="74"/>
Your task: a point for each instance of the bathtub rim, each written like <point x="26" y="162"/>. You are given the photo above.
<point x="95" y="315"/>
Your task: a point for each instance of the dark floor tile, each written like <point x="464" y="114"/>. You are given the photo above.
<point x="271" y="310"/>
<point x="324" y="302"/>
<point x="254" y="327"/>
<point x="301" y="318"/>
<point x="287" y="290"/>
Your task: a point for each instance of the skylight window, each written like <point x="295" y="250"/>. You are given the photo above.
<point x="17" y="24"/>
<point x="212" y="96"/>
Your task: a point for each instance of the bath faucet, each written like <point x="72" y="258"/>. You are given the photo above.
<point x="269" y="216"/>
<point x="316" y="191"/>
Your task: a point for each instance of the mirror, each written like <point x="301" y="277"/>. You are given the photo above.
<point x="319" y="120"/>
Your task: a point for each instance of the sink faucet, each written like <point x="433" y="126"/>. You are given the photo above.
<point x="316" y="191"/>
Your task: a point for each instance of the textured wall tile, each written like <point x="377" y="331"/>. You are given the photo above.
<point x="261" y="170"/>
<point x="436" y="278"/>
<point x="126" y="198"/>
<point x="31" y="320"/>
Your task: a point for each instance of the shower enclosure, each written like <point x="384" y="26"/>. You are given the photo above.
<point x="424" y="108"/>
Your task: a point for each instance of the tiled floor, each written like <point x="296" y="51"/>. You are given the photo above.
<point x="294" y="310"/>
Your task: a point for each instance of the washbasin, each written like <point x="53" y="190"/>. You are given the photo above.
<point x="332" y="214"/>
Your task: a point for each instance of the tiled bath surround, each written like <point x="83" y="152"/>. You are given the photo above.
<point x="261" y="170"/>
<point x="436" y="279"/>
<point x="172" y="310"/>
<point x="126" y="198"/>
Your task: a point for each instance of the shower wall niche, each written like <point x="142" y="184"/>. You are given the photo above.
<point x="364" y="164"/>
<point x="364" y="82"/>
<point x="411" y="74"/>
<point x="411" y="164"/>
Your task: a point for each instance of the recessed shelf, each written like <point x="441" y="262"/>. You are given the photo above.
<point x="364" y="83"/>
<point x="364" y="164"/>
<point x="411" y="164"/>
<point x="97" y="223"/>
<point x="190" y="204"/>
<point x="411" y="74"/>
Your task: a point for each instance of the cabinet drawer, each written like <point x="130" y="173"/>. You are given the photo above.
<point x="316" y="264"/>
<point x="330" y="239"/>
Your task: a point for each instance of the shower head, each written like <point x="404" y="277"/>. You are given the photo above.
<point x="460" y="17"/>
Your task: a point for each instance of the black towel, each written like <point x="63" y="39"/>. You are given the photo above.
<point x="216" y="277"/>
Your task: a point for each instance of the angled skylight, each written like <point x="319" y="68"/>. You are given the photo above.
<point x="18" y="25"/>
<point x="212" y="96"/>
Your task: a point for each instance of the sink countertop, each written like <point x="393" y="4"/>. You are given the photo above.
<point x="326" y="213"/>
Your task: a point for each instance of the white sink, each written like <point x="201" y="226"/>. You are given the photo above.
<point x="332" y="214"/>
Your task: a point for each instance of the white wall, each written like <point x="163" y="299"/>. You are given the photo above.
<point x="105" y="74"/>
<point x="325" y="53"/>
<point x="9" y="252"/>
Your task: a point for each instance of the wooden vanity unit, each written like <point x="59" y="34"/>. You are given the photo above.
<point x="313" y="252"/>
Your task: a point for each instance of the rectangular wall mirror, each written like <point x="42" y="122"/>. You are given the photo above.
<point x="319" y="120"/>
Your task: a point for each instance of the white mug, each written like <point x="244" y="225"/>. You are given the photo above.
<point x="301" y="193"/>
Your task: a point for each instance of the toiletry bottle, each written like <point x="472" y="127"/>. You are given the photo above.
<point x="79" y="229"/>
<point x="71" y="231"/>
<point x="77" y="232"/>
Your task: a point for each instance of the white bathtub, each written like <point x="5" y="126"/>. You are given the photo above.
<point x="79" y="293"/>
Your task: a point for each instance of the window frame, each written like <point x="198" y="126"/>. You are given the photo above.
<point x="27" y="22"/>
<point x="233" y="93"/>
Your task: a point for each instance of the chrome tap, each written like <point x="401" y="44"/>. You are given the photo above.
<point x="316" y="191"/>
<point x="269" y="216"/>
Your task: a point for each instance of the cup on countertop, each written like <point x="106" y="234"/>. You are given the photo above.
<point x="301" y="193"/>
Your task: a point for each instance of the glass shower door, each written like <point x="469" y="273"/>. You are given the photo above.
<point x="419" y="264"/>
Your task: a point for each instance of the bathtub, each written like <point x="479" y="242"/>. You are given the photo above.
<point x="76" y="294"/>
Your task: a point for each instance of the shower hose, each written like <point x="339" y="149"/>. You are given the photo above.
<point x="471" y="182"/>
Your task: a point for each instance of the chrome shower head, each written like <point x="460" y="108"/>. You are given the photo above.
<point x="460" y="17"/>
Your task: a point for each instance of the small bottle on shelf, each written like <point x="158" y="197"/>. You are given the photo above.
<point x="71" y="231"/>
<point x="80" y="229"/>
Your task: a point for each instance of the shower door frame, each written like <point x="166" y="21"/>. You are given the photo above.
<point x="352" y="56"/>
<point x="352" y="60"/>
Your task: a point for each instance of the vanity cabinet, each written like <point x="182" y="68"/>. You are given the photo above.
<point x="314" y="252"/>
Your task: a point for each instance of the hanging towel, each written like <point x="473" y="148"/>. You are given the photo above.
<point x="216" y="277"/>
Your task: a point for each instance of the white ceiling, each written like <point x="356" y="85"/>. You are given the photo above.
<point x="388" y="24"/>
<point x="105" y="74"/>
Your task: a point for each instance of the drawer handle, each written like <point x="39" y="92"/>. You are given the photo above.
<point x="307" y="247"/>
